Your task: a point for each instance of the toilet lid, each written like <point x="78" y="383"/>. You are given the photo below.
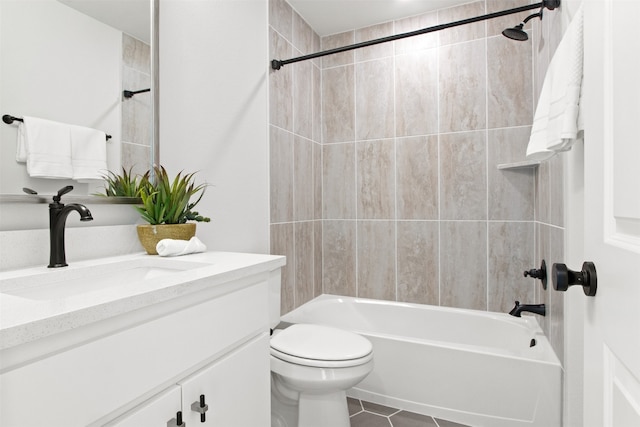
<point x="317" y="342"/>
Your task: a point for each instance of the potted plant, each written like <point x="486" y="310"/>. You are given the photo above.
<point x="125" y="184"/>
<point x="167" y="206"/>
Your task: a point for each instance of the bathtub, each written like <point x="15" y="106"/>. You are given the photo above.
<point x="472" y="367"/>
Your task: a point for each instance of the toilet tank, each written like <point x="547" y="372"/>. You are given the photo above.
<point x="274" y="297"/>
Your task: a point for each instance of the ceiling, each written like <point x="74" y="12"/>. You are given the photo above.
<point x="336" y="16"/>
<point x="130" y="16"/>
<point x="325" y="16"/>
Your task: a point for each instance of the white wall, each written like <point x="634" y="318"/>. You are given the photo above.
<point x="60" y="65"/>
<point x="213" y="113"/>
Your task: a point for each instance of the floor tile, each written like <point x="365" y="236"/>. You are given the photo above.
<point x="378" y="409"/>
<point x="445" y="423"/>
<point x="354" y="406"/>
<point x="367" y="419"/>
<point x="410" y="419"/>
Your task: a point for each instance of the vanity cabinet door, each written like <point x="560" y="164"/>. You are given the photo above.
<point x="236" y="388"/>
<point x="155" y="412"/>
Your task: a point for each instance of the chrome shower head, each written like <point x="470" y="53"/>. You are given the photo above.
<point x="516" y="33"/>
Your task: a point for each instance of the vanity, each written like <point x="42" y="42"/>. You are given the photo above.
<point x="137" y="340"/>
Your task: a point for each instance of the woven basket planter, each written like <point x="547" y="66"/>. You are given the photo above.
<point x="150" y="235"/>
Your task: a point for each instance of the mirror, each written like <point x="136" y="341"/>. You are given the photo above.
<point x="70" y="61"/>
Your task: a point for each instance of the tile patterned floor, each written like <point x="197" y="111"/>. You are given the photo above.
<point x="367" y="414"/>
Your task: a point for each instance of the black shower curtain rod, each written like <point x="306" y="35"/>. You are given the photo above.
<point x="276" y="64"/>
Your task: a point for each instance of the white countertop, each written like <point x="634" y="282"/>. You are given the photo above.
<point x="30" y="308"/>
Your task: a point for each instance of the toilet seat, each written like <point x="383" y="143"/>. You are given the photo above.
<point x="321" y="346"/>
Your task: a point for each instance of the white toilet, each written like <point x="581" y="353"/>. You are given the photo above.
<point x="312" y="366"/>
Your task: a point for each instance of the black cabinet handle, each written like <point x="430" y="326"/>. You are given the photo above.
<point x="177" y="421"/>
<point x="201" y="407"/>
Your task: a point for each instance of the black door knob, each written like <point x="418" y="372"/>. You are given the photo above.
<point x="587" y="278"/>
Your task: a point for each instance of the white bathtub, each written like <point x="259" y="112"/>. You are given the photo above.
<point x="472" y="367"/>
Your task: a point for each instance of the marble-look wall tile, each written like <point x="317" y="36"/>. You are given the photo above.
<point x="463" y="86"/>
<point x="338" y="104"/>
<point x="417" y="177"/>
<point x="416" y="93"/>
<point x="374" y="99"/>
<point x="376" y="267"/>
<point x="137" y="111"/>
<point x="303" y="35"/>
<point x="463" y="264"/>
<point x="304" y="261"/>
<point x="339" y="181"/>
<point x="303" y="98"/>
<point x="375" y="191"/>
<point x="338" y="40"/>
<point x="464" y="32"/>
<point x="281" y="17"/>
<point x="317" y="181"/>
<point x="418" y="249"/>
<point x="511" y="192"/>
<point x="280" y="84"/>
<point x="508" y="258"/>
<point x="550" y="247"/>
<point x="282" y="243"/>
<point x="542" y="190"/>
<point x="135" y="157"/>
<point x="303" y="185"/>
<point x="509" y="83"/>
<point x="555" y="300"/>
<point x="339" y="257"/>
<point x="373" y="32"/>
<point x="416" y="43"/>
<point x="317" y="258"/>
<point x="463" y="176"/>
<point x="281" y="174"/>
<point x="136" y="54"/>
<point x="556" y="191"/>
<point x="316" y="106"/>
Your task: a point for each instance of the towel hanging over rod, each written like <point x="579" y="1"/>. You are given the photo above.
<point x="8" y="119"/>
<point x="276" y="64"/>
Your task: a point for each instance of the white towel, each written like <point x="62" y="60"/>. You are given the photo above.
<point x="557" y="123"/>
<point x="172" y="247"/>
<point x="88" y="153"/>
<point x="45" y="146"/>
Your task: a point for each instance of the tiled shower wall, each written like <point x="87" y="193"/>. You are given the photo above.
<point x="391" y="190"/>
<point x="549" y="206"/>
<point x="136" y="111"/>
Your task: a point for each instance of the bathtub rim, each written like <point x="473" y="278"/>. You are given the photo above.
<point x="548" y="357"/>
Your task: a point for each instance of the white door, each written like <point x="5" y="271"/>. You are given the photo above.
<point x="612" y="212"/>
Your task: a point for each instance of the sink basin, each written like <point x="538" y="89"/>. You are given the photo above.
<point x="72" y="281"/>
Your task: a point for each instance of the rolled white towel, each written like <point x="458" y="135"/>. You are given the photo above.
<point x="173" y="247"/>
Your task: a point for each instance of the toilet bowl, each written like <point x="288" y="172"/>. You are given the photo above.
<point x="312" y="366"/>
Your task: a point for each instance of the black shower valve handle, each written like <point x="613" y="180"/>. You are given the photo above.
<point x="540" y="273"/>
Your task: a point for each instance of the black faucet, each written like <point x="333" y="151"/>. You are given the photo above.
<point x="531" y="308"/>
<point x="58" y="213"/>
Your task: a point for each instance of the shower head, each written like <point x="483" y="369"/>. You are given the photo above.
<point x="516" y="33"/>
